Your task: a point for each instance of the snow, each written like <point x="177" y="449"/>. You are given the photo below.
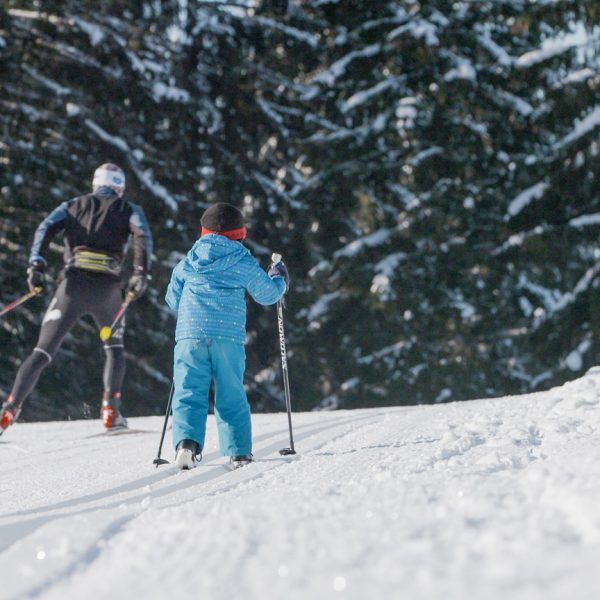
<point x="292" y="32"/>
<point x="95" y="33"/>
<point x="553" y="46"/>
<point x="518" y="104"/>
<point x="55" y="87"/>
<point x="146" y="176"/>
<point x="368" y="241"/>
<point x="585" y="221"/>
<point x="419" y="29"/>
<point x="162" y="91"/>
<point x="72" y="109"/>
<point x="555" y="301"/>
<point x="526" y="197"/>
<point x="579" y="76"/>
<point x="574" y="360"/>
<point x="485" y="499"/>
<point x="364" y="96"/>
<point x="385" y="269"/>
<point x="499" y="53"/>
<point x="464" y="71"/>
<point x="581" y="127"/>
<point x="113" y="140"/>
<point x="338" y="68"/>
<point x="320" y="308"/>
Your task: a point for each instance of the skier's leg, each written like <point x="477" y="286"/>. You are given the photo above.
<point x="103" y="309"/>
<point x="191" y="378"/>
<point x="232" y="410"/>
<point x="62" y="314"/>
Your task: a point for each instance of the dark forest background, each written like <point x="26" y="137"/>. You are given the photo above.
<point x="429" y="170"/>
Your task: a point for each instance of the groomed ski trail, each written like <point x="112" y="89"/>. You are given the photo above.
<point x="481" y="499"/>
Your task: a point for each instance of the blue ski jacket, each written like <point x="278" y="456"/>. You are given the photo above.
<point x="208" y="286"/>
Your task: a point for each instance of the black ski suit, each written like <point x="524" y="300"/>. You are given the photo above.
<point x="98" y="226"/>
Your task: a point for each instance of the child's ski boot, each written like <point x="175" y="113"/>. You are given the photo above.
<point x="242" y="460"/>
<point x="188" y="454"/>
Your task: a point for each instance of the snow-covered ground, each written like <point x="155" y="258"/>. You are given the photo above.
<point x="489" y="499"/>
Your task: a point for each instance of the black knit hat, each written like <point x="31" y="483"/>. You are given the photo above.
<point x="225" y="219"/>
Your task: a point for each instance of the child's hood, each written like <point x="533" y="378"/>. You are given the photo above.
<point x="213" y="253"/>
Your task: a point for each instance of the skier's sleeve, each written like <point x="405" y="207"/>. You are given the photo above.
<point x="263" y="288"/>
<point x="46" y="230"/>
<point x="175" y="288"/>
<point x="142" y="240"/>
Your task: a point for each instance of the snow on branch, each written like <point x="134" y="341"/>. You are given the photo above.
<point x="419" y="29"/>
<point x="553" y="47"/>
<point x="94" y="32"/>
<point x="382" y="281"/>
<point x="58" y="89"/>
<point x="585" y="221"/>
<point x="162" y="91"/>
<point x="150" y="371"/>
<point x="113" y="140"/>
<point x="393" y="351"/>
<point x="574" y="360"/>
<point x="464" y="70"/>
<point x="581" y="128"/>
<point x="518" y="239"/>
<point x="338" y="68"/>
<point x="292" y="32"/>
<point x="320" y="307"/>
<point x="369" y="241"/>
<point x="277" y="187"/>
<point x="554" y="301"/>
<point x="269" y="109"/>
<point x="515" y="102"/>
<point x="365" y="95"/>
<point x="376" y="126"/>
<point x="145" y="176"/>
<point x="526" y="197"/>
<point x="575" y="77"/>
<point x="499" y="53"/>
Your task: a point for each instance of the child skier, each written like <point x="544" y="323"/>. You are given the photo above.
<point x="207" y="290"/>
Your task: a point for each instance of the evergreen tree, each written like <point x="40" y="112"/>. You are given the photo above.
<point x="428" y="170"/>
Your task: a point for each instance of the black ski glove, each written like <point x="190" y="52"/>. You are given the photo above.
<point x="280" y="269"/>
<point x="36" y="280"/>
<point x="137" y="285"/>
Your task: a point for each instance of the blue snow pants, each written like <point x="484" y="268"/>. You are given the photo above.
<point x="196" y="364"/>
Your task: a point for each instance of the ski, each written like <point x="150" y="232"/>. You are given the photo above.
<point x="122" y="431"/>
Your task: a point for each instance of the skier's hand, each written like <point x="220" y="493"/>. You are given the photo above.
<point x="137" y="285"/>
<point x="280" y="269"/>
<point x="36" y="280"/>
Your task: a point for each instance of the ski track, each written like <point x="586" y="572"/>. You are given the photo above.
<point x="483" y="499"/>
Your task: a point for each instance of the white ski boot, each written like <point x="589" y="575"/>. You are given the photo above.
<point x="235" y="462"/>
<point x="188" y="454"/>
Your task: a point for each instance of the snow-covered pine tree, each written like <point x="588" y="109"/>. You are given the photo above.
<point x="431" y="126"/>
<point x="427" y="169"/>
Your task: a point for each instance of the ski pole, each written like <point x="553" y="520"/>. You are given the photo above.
<point x="158" y="460"/>
<point x="107" y="330"/>
<point x="276" y="258"/>
<point x="34" y="292"/>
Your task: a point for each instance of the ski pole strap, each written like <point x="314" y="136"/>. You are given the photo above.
<point x="92" y="260"/>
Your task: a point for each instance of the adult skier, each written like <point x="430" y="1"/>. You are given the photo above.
<point x="96" y="228"/>
<point x="207" y="290"/>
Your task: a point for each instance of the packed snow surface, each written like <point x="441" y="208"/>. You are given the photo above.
<point x="487" y="499"/>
